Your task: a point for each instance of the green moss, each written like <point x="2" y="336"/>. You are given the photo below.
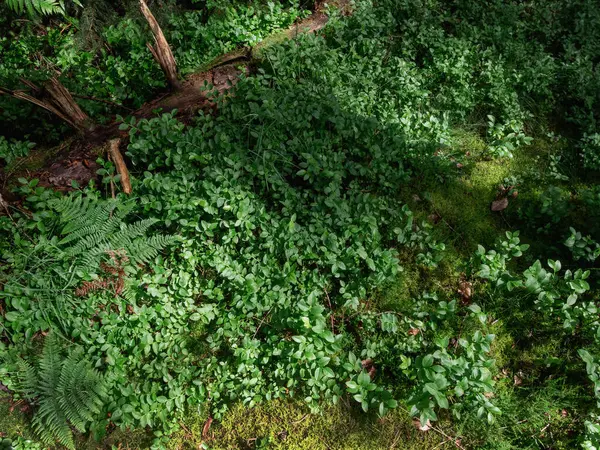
<point x="289" y="425"/>
<point x="464" y="203"/>
<point x="14" y="421"/>
<point x="118" y="439"/>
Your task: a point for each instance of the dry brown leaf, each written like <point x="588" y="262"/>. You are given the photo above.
<point x="465" y="290"/>
<point x="418" y="426"/>
<point x="207" y="425"/>
<point x="369" y="366"/>
<point x="500" y="205"/>
<point x="434" y="217"/>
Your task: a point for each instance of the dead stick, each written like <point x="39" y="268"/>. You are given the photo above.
<point x="161" y="50"/>
<point x="331" y="308"/>
<point x="120" y="165"/>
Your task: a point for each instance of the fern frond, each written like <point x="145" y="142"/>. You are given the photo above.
<point x="91" y="228"/>
<point x="142" y="251"/>
<point x="81" y="212"/>
<point x="50" y="423"/>
<point x="77" y="389"/>
<point x="106" y="227"/>
<point x="68" y="390"/>
<point x="129" y="232"/>
<point x="36" y="7"/>
<point x="27" y="377"/>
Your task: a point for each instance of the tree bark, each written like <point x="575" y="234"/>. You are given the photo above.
<point x="55" y="98"/>
<point x="62" y="98"/>
<point x="160" y="50"/>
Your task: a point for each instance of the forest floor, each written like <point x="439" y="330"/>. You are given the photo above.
<point x="540" y="408"/>
<point x="75" y="158"/>
<point x="461" y="208"/>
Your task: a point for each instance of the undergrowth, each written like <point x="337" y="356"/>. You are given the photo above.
<point x="395" y="219"/>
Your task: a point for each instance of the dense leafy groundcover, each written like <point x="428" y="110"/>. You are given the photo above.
<point x="245" y="265"/>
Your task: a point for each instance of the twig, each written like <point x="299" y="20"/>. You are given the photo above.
<point x="206" y="427"/>
<point x="331" y="308"/>
<point x="4" y="204"/>
<point x="261" y="322"/>
<point x="117" y="158"/>
<point x="396" y="439"/>
<point x="442" y="443"/>
<point x="448" y="437"/>
<point x="302" y="419"/>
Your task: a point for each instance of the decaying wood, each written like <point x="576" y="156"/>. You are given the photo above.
<point x="117" y="158"/>
<point x="62" y="98"/>
<point x="3" y="203"/>
<point x="160" y="50"/>
<point x="55" y="98"/>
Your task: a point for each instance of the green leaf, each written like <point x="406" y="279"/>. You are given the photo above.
<point x="427" y="361"/>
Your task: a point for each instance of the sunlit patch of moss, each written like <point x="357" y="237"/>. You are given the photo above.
<point x="289" y="425"/>
<point x="546" y="416"/>
<point x="502" y="344"/>
<point x="414" y="280"/>
<point x="463" y="203"/>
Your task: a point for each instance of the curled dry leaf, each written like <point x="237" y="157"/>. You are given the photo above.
<point x="207" y="425"/>
<point x="465" y="290"/>
<point x="418" y="426"/>
<point x="368" y="365"/>
<point x="434" y="218"/>
<point x="500" y="205"/>
<point x="372" y="372"/>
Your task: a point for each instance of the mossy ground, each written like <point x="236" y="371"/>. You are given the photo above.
<point x="289" y="425"/>
<point x="13" y="422"/>
<point x="539" y="409"/>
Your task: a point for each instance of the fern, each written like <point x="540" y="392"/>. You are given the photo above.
<point x="84" y="237"/>
<point x="91" y="228"/>
<point x="39" y="7"/>
<point x="36" y="7"/>
<point x="68" y="392"/>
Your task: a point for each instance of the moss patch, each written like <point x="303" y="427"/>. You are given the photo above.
<point x="13" y="421"/>
<point x="289" y="425"/>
